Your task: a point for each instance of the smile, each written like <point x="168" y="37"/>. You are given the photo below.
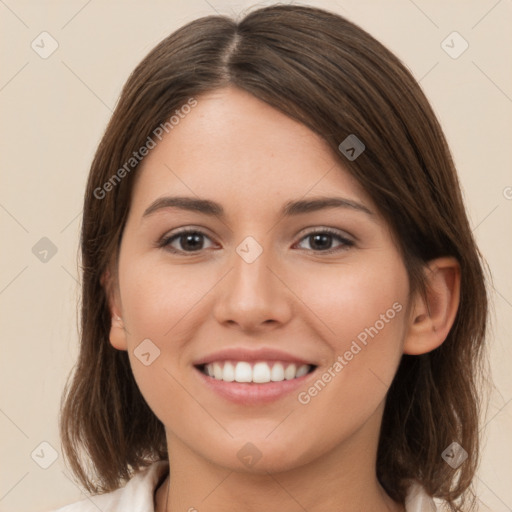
<point x="254" y="383"/>
<point x="259" y="372"/>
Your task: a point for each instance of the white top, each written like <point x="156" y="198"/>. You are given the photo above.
<point x="138" y="495"/>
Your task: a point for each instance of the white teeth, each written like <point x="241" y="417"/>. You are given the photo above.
<point x="217" y="370"/>
<point x="290" y="372"/>
<point x="243" y="372"/>
<point x="277" y="373"/>
<point x="302" y="370"/>
<point x="229" y="372"/>
<point x="261" y="372"/>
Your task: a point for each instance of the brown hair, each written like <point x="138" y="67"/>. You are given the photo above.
<point x="336" y="79"/>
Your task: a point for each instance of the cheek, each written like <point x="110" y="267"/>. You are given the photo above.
<point x="161" y="304"/>
<point x="158" y="302"/>
<point x="158" y="297"/>
<point x="362" y="313"/>
<point x="349" y="299"/>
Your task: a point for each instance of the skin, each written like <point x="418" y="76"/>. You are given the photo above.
<point x="240" y="152"/>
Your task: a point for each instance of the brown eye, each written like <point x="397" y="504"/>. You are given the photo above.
<point x="185" y="241"/>
<point x="322" y="241"/>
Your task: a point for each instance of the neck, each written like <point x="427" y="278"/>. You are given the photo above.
<point x="341" y="479"/>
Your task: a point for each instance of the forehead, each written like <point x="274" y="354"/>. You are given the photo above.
<point x="239" y="149"/>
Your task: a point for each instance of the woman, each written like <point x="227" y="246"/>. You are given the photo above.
<point x="282" y="298"/>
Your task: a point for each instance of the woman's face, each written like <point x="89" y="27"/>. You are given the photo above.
<point x="269" y="278"/>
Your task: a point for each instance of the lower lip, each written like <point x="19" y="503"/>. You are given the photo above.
<point x="252" y="393"/>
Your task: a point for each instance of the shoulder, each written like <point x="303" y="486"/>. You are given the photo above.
<point x="137" y="494"/>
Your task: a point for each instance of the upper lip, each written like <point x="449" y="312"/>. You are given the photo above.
<point x="244" y="354"/>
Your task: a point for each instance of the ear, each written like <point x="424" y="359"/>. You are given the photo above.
<point x="432" y="316"/>
<point x="117" y="335"/>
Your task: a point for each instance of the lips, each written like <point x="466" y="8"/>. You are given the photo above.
<point x="253" y="393"/>
<point x="253" y="355"/>
<point x="253" y="376"/>
<point x="257" y="366"/>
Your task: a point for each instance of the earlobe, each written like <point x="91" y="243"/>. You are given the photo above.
<point x="117" y="333"/>
<point x="433" y="316"/>
<point x="117" y="336"/>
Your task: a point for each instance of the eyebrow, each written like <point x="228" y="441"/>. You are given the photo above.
<point x="289" y="209"/>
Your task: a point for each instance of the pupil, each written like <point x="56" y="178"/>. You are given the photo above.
<point x="192" y="241"/>
<point x="321" y="238"/>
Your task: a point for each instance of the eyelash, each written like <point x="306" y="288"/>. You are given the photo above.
<point x="166" y="241"/>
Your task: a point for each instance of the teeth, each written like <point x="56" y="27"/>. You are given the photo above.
<point x="243" y="372"/>
<point x="302" y="370"/>
<point x="290" y="372"/>
<point x="229" y="372"/>
<point x="277" y="373"/>
<point x="217" y="371"/>
<point x="261" y="372"/>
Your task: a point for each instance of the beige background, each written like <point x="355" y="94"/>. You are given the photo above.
<point x="53" y="114"/>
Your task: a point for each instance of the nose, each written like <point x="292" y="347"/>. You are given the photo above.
<point x="254" y="296"/>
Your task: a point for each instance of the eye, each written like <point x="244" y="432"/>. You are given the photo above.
<point x="187" y="240"/>
<point x="321" y="240"/>
<point x="193" y="240"/>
